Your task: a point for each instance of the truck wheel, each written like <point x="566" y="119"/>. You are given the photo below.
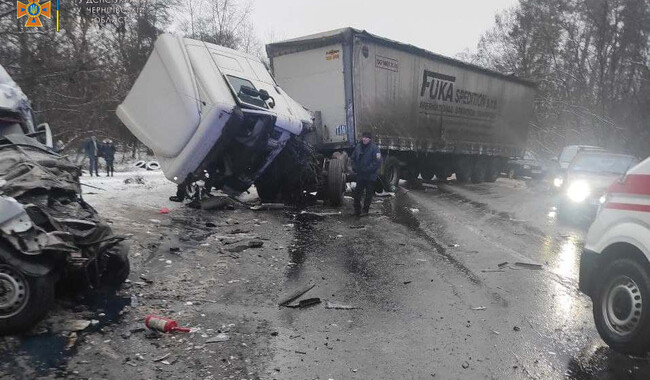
<point x="622" y="307"/>
<point x="336" y="181"/>
<point x="427" y="173"/>
<point x="463" y="170"/>
<point x="479" y="171"/>
<point x="493" y="171"/>
<point x="24" y="300"/>
<point x="391" y="174"/>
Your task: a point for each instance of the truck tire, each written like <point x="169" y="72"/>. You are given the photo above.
<point x="24" y="300"/>
<point x="427" y="173"/>
<point x="391" y="174"/>
<point x="621" y="307"/>
<point x="464" y="170"/>
<point x="336" y="181"/>
<point x="479" y="170"/>
<point x="493" y="170"/>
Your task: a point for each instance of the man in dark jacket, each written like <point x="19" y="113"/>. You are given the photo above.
<point x="92" y="148"/>
<point x="108" y="151"/>
<point x="366" y="160"/>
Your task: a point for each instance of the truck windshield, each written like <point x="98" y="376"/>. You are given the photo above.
<point x="602" y="163"/>
<point x="237" y="84"/>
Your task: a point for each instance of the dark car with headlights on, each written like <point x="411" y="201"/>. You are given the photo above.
<point x="527" y="166"/>
<point x="587" y="179"/>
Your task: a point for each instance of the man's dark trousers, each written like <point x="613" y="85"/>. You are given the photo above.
<point x="363" y="186"/>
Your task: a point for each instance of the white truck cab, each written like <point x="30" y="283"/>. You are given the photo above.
<point x="202" y="108"/>
<point x="615" y="263"/>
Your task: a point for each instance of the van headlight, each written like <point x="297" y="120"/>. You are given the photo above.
<point x="558" y="182"/>
<point x="579" y="191"/>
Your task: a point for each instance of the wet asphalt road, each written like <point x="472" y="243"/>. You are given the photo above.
<point x="434" y="302"/>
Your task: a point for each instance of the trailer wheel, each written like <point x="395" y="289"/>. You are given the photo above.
<point x="479" y="171"/>
<point x="391" y="174"/>
<point x="427" y="173"/>
<point x="493" y="171"/>
<point x="464" y="170"/>
<point x="336" y="181"/>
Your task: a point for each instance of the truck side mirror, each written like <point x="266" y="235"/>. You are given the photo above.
<point x="45" y="135"/>
<point x="266" y="97"/>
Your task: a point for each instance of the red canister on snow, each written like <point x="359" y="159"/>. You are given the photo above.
<point x="163" y="324"/>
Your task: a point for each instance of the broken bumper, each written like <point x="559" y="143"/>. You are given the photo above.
<point x="589" y="268"/>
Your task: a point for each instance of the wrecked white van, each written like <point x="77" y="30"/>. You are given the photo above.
<point x="214" y="114"/>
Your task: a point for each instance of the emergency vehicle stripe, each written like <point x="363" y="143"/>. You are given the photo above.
<point x="628" y="207"/>
<point x="638" y="184"/>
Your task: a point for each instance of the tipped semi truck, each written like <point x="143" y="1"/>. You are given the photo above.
<point x="430" y="115"/>
<point x="216" y="119"/>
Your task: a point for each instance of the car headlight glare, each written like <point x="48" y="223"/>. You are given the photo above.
<point x="579" y="191"/>
<point x="558" y="182"/>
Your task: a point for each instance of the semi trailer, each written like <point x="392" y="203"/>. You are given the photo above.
<point x="430" y="115"/>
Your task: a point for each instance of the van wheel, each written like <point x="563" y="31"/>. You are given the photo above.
<point x="622" y="307"/>
<point x="24" y="300"/>
<point x="391" y="174"/>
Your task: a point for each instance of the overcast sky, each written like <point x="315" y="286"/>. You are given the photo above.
<point x="443" y="26"/>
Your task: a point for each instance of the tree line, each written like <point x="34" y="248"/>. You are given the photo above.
<point x="76" y="78"/>
<point x="591" y="60"/>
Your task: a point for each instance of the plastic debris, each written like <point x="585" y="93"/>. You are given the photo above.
<point x="295" y="294"/>
<point x="337" y="306"/>
<point x="223" y="337"/>
<point x="479" y="308"/>
<point x="164" y="210"/>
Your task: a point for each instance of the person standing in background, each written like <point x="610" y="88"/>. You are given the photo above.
<point x="108" y="151"/>
<point x="91" y="147"/>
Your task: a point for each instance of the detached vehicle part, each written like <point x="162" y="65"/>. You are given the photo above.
<point x="216" y="116"/>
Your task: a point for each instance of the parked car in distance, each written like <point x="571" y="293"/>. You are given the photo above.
<point x="587" y="180"/>
<point x="566" y="157"/>
<point x="527" y="166"/>
<point x="615" y="264"/>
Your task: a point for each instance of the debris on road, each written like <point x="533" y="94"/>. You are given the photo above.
<point x="320" y="213"/>
<point x="268" y="206"/>
<point x="503" y="264"/>
<point x="407" y="282"/>
<point x="337" y="306"/>
<point x="217" y="202"/>
<point x="305" y="303"/>
<point x="164" y="210"/>
<point x="162" y="357"/>
<point x="222" y="337"/>
<point x="295" y="294"/>
<point x="360" y="226"/>
<point x="76" y="325"/>
<point x="465" y="365"/>
<point x="138" y="180"/>
<point x="516" y="328"/>
<point x="255" y="244"/>
<point x="529" y="265"/>
<point x="72" y="340"/>
<point x="479" y="308"/>
<point x="163" y="324"/>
